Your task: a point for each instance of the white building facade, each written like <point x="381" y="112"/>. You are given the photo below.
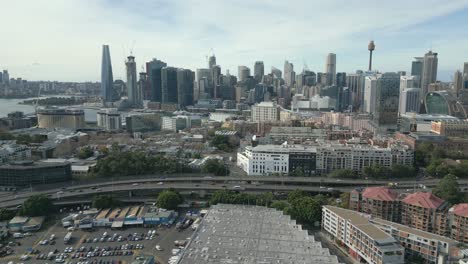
<point x="265" y="111"/>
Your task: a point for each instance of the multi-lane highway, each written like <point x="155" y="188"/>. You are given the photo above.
<point x="198" y="184"/>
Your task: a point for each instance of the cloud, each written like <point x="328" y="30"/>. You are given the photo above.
<point x="66" y="36"/>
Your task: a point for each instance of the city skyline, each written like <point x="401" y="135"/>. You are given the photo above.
<point x="163" y="29"/>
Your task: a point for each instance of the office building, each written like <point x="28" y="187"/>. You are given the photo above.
<point x="432" y="248"/>
<point x="153" y="70"/>
<point x="142" y="88"/>
<point x="61" y="118"/>
<point x="429" y="72"/>
<point x="380" y="202"/>
<point x="370" y="94"/>
<point x="243" y="73"/>
<point x="143" y="122"/>
<point x="457" y="83"/>
<point x="425" y="211"/>
<point x="289" y="74"/>
<point x="363" y="240"/>
<point x="174" y="123"/>
<point x="107" y="80"/>
<point x="6" y="77"/>
<point x="330" y="69"/>
<point x="409" y="100"/>
<point x="252" y="234"/>
<point x="409" y="82"/>
<point x="417" y="66"/>
<point x="387" y="95"/>
<point x="276" y="72"/>
<point x="259" y="71"/>
<point x="265" y="111"/>
<point x="355" y="83"/>
<point x="13" y="152"/>
<point x="204" y="84"/>
<point x="169" y="85"/>
<point x="211" y="61"/>
<point x="28" y="173"/>
<point x="133" y="90"/>
<point x="185" y="80"/>
<point x="109" y="119"/>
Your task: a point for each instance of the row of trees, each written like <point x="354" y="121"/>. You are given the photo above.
<point x="118" y="163"/>
<point x="223" y="143"/>
<point x="376" y="172"/>
<point x="216" y="167"/>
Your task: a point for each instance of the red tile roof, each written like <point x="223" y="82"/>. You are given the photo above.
<point x="423" y="199"/>
<point x="380" y="193"/>
<point x="460" y="209"/>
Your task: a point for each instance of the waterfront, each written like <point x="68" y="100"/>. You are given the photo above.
<point x="10" y="105"/>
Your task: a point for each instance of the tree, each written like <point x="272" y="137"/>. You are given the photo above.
<point x="279" y="205"/>
<point x="6" y="214"/>
<point x="37" y="205"/>
<point x="296" y="194"/>
<point x="297" y="172"/>
<point x="169" y="199"/>
<point x="448" y="189"/>
<point x="222" y="143"/>
<point x="216" y="167"/>
<point x="375" y="171"/>
<point x="343" y="173"/>
<point x="306" y="210"/>
<point x="85" y="153"/>
<point x="105" y="201"/>
<point x="403" y="171"/>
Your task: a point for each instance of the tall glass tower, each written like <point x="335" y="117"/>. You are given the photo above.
<point x="107" y="80"/>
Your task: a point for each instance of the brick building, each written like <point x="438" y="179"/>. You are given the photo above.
<point x="380" y="202"/>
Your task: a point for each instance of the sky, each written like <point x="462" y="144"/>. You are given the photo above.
<point x="62" y="39"/>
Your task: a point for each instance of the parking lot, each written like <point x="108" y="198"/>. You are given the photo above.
<point x="102" y="245"/>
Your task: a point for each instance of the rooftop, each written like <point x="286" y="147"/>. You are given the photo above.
<point x="380" y="193"/>
<point x="252" y="234"/>
<point x="460" y="209"/>
<point x="423" y="199"/>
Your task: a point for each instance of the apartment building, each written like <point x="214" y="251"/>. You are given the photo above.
<point x="380" y="202"/>
<point x="434" y="249"/>
<point x="425" y="211"/>
<point x="452" y="128"/>
<point x="328" y="156"/>
<point x="458" y="222"/>
<point x="265" y="111"/>
<point x="364" y="241"/>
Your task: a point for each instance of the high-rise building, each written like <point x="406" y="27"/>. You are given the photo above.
<point x="185" y="80"/>
<point x="6" y="76"/>
<point x="465" y="76"/>
<point x="243" y="72"/>
<point x="211" y="61"/>
<point x="259" y="71"/>
<point x="153" y="69"/>
<point x="355" y="83"/>
<point x="215" y="77"/>
<point x="387" y="97"/>
<point x="330" y="69"/>
<point x="409" y="82"/>
<point x="341" y="79"/>
<point x="417" y="66"/>
<point x="276" y="72"/>
<point x="429" y="72"/>
<point x="107" y="80"/>
<point x="204" y="83"/>
<point x="1" y="77"/>
<point x="142" y="84"/>
<point x="132" y="89"/>
<point x="109" y="119"/>
<point x="370" y="87"/>
<point x="289" y="74"/>
<point x="409" y="100"/>
<point x="457" y="83"/>
<point x="169" y="85"/>
<point x="265" y="111"/>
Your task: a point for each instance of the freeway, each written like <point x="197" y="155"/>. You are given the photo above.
<point x="200" y="183"/>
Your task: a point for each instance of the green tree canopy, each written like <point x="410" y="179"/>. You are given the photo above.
<point x="216" y="167"/>
<point x="279" y="205"/>
<point x="37" y="205"/>
<point x="105" y="201"/>
<point x="448" y="189"/>
<point x="85" y="152"/>
<point x="6" y="214"/>
<point x="306" y="210"/>
<point x="403" y="171"/>
<point x="169" y="199"/>
<point x="296" y="194"/>
<point x="343" y="173"/>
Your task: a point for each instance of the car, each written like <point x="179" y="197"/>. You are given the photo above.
<point x="330" y="189"/>
<point x="135" y="184"/>
<point x="323" y="187"/>
<point x="160" y="183"/>
<point x="237" y="187"/>
<point x="24" y="257"/>
<point x="207" y="177"/>
<point x="158" y="248"/>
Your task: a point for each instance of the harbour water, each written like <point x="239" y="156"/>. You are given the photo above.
<point x="11" y="105"/>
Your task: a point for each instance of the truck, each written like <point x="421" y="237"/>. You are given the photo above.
<point x="67" y="237"/>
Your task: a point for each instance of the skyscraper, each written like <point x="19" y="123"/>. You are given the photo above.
<point x="204" y="84"/>
<point x="276" y="72"/>
<point x="142" y="84"/>
<point x="107" y="80"/>
<point x="153" y="69"/>
<point x="341" y="79"/>
<point x="211" y="61"/>
<point x="215" y="77"/>
<point x="132" y="88"/>
<point x="387" y="98"/>
<point x="465" y="76"/>
<point x="409" y="100"/>
<point x="185" y="80"/>
<point x="169" y="85"/>
<point x="429" y="72"/>
<point x="355" y="82"/>
<point x="289" y="74"/>
<point x="409" y="82"/>
<point x="370" y="87"/>
<point x="416" y="66"/>
<point x="243" y="73"/>
<point x="330" y="69"/>
<point x="457" y="82"/>
<point x="259" y="71"/>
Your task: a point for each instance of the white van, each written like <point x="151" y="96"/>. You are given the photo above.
<point x="18" y="235"/>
